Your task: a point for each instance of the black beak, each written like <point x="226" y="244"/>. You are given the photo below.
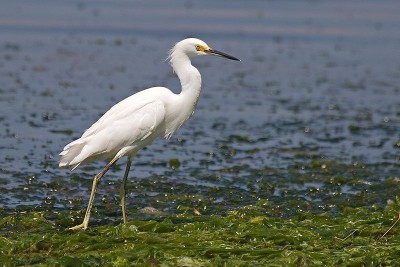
<point x="220" y="54"/>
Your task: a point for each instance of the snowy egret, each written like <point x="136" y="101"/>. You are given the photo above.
<point x="137" y="120"/>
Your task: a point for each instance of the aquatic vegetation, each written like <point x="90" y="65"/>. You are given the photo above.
<point x="323" y="213"/>
<point x="245" y="236"/>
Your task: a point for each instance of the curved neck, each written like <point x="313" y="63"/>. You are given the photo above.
<point x="185" y="102"/>
<point x="188" y="75"/>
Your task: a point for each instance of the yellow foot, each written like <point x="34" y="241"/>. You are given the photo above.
<point x="81" y="226"/>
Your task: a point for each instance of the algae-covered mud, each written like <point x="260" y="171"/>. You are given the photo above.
<point x="291" y="158"/>
<point x="245" y="236"/>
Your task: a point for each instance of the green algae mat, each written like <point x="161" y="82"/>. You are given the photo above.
<point x="349" y="219"/>
<point x="243" y="237"/>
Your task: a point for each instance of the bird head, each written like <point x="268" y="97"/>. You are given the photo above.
<point x="193" y="47"/>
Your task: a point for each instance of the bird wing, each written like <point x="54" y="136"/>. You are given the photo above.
<point x="125" y="124"/>
<point x="124" y="109"/>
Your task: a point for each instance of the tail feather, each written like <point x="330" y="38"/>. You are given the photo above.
<point x="70" y="155"/>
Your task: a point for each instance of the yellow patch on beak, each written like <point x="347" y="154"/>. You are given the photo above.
<point x="201" y="48"/>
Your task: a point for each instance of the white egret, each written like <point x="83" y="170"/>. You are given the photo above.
<point x="137" y="120"/>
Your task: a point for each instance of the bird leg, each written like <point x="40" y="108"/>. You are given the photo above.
<point x="96" y="180"/>
<point x="123" y="190"/>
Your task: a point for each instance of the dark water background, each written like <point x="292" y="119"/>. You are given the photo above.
<point x="319" y="81"/>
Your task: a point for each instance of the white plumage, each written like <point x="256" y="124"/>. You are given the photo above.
<point x="121" y="130"/>
<point x="137" y="120"/>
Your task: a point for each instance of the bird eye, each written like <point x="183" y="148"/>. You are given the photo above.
<point x="198" y="47"/>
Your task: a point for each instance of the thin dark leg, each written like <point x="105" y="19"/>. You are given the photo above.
<point x="123" y="190"/>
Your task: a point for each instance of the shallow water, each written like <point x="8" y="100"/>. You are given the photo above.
<point x="311" y="114"/>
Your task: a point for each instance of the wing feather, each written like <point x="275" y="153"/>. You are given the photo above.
<point x="125" y="125"/>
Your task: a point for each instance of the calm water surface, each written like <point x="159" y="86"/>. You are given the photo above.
<point x="318" y="81"/>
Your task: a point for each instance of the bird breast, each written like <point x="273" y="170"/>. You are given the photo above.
<point x="178" y="111"/>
